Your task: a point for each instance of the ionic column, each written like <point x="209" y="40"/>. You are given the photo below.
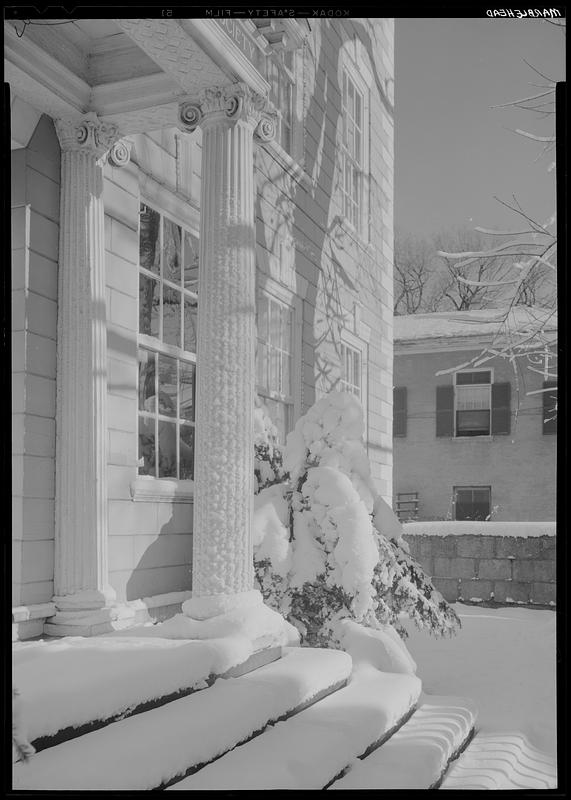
<point x="231" y="119"/>
<point x="81" y="571"/>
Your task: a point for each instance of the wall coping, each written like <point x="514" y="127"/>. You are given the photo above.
<point x="520" y="530"/>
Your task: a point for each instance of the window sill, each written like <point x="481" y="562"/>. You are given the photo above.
<point x="161" y="490"/>
<point x="488" y="437"/>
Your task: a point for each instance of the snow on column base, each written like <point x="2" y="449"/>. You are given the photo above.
<point x="90" y="613"/>
<point x="240" y="614"/>
<point x="212" y="605"/>
<point x="86" y="600"/>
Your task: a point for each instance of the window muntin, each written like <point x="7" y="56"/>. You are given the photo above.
<point x="274" y="360"/>
<point x="352" y="151"/>
<point x="351" y="370"/>
<point x="280" y="76"/>
<point x="473" y="403"/>
<point x="168" y="300"/>
<point x="472" y="502"/>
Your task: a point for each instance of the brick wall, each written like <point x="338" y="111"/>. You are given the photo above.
<point x="503" y="569"/>
<point x="35" y="232"/>
<point x="519" y="467"/>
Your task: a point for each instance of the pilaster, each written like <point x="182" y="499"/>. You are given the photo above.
<point x="82" y="595"/>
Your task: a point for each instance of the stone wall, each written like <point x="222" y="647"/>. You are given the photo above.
<point x="501" y="569"/>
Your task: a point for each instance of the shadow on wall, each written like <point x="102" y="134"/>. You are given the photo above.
<point x="166" y="562"/>
<point x="310" y="210"/>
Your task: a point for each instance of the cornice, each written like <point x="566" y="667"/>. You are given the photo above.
<point x="40" y="79"/>
<point x="234" y="63"/>
<point x="169" y="45"/>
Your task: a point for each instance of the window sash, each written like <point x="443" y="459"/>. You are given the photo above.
<point x="352" y="151"/>
<point x="472" y="503"/>
<point x="473" y="403"/>
<point x="275" y="360"/>
<point x="167" y="338"/>
<point x="351" y="370"/>
<point x="282" y="82"/>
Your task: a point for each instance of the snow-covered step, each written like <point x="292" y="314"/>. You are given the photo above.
<point x="417" y="755"/>
<point x="501" y="761"/>
<point x="149" y="750"/>
<point x="72" y="685"/>
<point x="309" y="750"/>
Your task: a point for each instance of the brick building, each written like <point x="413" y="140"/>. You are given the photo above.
<point x="473" y="438"/>
<point x="179" y="244"/>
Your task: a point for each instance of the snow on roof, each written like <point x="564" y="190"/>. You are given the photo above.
<point x="481" y="322"/>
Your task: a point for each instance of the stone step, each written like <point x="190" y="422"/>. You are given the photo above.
<point x="501" y="761"/>
<point x="309" y="750"/>
<point x="417" y="756"/>
<point x="114" y="677"/>
<point x="153" y="749"/>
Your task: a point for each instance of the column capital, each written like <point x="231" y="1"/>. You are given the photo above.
<point x="87" y="134"/>
<point x="229" y="105"/>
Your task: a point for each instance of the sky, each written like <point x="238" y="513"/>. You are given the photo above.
<point x="453" y="151"/>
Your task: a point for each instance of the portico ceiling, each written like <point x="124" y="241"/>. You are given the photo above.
<point x="133" y="72"/>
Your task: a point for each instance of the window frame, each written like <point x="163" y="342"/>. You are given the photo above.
<point x="455" y="490"/>
<point x="461" y="435"/>
<point x="277" y="293"/>
<point x="294" y="79"/>
<point x="154" y="487"/>
<point x="355" y="343"/>
<point x="354" y="72"/>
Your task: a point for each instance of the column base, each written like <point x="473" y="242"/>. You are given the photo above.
<point x="241" y="614"/>
<point x="92" y="612"/>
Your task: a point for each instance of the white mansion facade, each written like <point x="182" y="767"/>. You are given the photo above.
<point x="201" y="212"/>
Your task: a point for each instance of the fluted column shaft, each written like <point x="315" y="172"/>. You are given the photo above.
<point x="223" y="500"/>
<point x="81" y="569"/>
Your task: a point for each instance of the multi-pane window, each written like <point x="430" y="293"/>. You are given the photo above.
<point x="473" y="402"/>
<point x="351" y="373"/>
<point x="274" y="361"/>
<point x="352" y="152"/>
<point x="168" y="298"/>
<point x="472" y="502"/>
<point x="280" y="76"/>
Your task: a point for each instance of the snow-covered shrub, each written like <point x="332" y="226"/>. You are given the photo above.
<point x="341" y="552"/>
<point x="268" y="468"/>
<point x="272" y="546"/>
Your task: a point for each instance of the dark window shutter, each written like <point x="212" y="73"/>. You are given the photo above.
<point x="549" y="408"/>
<point x="445" y="411"/>
<point x="501" y="408"/>
<point x="399" y="411"/>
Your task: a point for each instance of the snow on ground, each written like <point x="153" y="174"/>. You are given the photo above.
<point x="522" y="530"/>
<point x="72" y="681"/>
<point x="504" y="659"/>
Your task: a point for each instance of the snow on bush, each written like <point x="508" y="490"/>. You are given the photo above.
<point x="327" y="547"/>
<point x="268" y="467"/>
